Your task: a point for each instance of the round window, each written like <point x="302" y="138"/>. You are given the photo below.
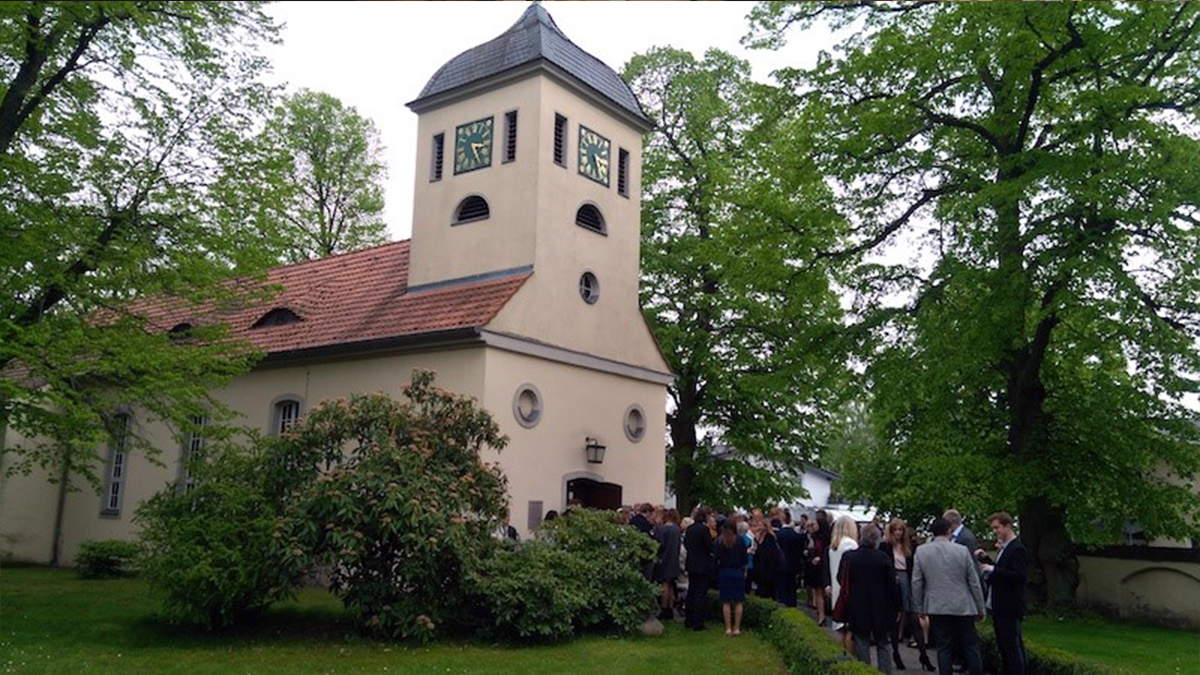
<point x="527" y="405"/>
<point x="589" y="288"/>
<point x="635" y="423"/>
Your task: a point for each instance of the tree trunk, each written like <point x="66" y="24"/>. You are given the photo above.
<point x="63" y="477"/>
<point x="683" y="446"/>
<point x="1054" y="574"/>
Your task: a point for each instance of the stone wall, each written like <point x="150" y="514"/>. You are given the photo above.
<point x="1143" y="582"/>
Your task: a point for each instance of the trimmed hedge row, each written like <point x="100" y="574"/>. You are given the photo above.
<point x="1041" y="660"/>
<point x="107" y="558"/>
<point x="806" y="648"/>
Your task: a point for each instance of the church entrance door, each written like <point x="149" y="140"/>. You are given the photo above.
<point x="593" y="494"/>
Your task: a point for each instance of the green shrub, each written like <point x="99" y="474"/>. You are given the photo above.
<point x="393" y="498"/>
<point x="109" y="558"/>
<point x="210" y="553"/>
<point x="531" y="591"/>
<point x="612" y="557"/>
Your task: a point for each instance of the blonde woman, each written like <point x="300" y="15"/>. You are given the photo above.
<point x="899" y="544"/>
<point x="845" y="538"/>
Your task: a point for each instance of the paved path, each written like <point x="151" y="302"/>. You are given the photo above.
<point x="910" y="655"/>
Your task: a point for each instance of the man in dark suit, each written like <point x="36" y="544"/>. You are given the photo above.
<point x="791" y="544"/>
<point x="1007" y="597"/>
<point x="641" y="519"/>
<point x="875" y="598"/>
<point x="697" y="541"/>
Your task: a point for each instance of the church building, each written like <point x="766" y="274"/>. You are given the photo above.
<point x="519" y="287"/>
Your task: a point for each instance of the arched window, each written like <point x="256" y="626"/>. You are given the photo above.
<point x="284" y="415"/>
<point x="589" y="218"/>
<point x="280" y="316"/>
<point x="471" y="209"/>
<point x="117" y="466"/>
<point x="180" y="333"/>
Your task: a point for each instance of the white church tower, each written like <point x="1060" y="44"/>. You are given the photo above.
<point x="530" y="159"/>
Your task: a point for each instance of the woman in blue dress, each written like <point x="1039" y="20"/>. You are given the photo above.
<point x="731" y="576"/>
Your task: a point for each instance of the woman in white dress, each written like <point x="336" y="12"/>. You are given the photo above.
<point x="845" y="538"/>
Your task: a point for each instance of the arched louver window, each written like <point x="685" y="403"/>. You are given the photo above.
<point x="588" y="217"/>
<point x="180" y="332"/>
<point x="280" y="316"/>
<point x="471" y="209"/>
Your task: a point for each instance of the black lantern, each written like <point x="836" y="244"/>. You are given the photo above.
<point x="595" y="451"/>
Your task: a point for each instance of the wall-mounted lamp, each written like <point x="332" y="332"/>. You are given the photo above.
<point x="595" y="451"/>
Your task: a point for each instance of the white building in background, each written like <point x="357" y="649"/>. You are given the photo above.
<point x="818" y="483"/>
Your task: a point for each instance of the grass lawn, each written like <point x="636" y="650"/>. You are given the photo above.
<point x="53" y="622"/>
<point x="1144" y="650"/>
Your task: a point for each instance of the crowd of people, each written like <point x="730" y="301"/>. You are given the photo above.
<point x="876" y="584"/>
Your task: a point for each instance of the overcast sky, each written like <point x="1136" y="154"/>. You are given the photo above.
<point x="376" y="56"/>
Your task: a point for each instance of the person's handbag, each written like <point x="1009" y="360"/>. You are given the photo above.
<point x="841" y="608"/>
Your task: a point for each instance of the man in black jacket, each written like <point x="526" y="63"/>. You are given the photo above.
<point x="1007" y="597"/>
<point x="641" y="522"/>
<point x="697" y="541"/>
<point x="791" y="544"/>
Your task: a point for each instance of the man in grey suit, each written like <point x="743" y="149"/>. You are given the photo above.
<point x="945" y="586"/>
<point x="959" y="533"/>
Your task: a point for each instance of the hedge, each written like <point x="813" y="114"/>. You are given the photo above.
<point x="107" y="558"/>
<point x="1041" y="660"/>
<point x="807" y="648"/>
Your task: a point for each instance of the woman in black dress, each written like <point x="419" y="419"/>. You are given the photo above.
<point x="731" y="576"/>
<point x="815" y="578"/>
<point x="768" y="559"/>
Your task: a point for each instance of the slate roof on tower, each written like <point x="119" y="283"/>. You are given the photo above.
<point x="532" y="39"/>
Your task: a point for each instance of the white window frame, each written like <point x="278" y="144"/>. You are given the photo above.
<point x="116" y="469"/>
<point x="193" y="446"/>
<point x="281" y="424"/>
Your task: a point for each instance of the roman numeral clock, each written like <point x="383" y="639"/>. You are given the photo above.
<point x="473" y="146"/>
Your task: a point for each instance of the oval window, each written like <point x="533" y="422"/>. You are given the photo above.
<point x="635" y="423"/>
<point x="589" y="288"/>
<point x="527" y="406"/>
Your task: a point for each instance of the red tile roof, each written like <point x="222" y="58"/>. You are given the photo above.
<point x="354" y="297"/>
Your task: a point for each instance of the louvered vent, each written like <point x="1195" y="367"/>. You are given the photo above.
<point x="588" y="216"/>
<point x="180" y="332"/>
<point x="470" y="209"/>
<point x="439" y="154"/>
<point x="280" y="316"/>
<point x="560" y="140"/>
<point x="623" y="173"/>
<point x="510" y="136"/>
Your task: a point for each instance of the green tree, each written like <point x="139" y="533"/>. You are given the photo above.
<point x="113" y="116"/>
<point x="745" y="323"/>
<point x="1038" y="161"/>
<point x="314" y="179"/>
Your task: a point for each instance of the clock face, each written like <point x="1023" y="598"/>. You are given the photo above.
<point x="593" y="155"/>
<point x="473" y="146"/>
